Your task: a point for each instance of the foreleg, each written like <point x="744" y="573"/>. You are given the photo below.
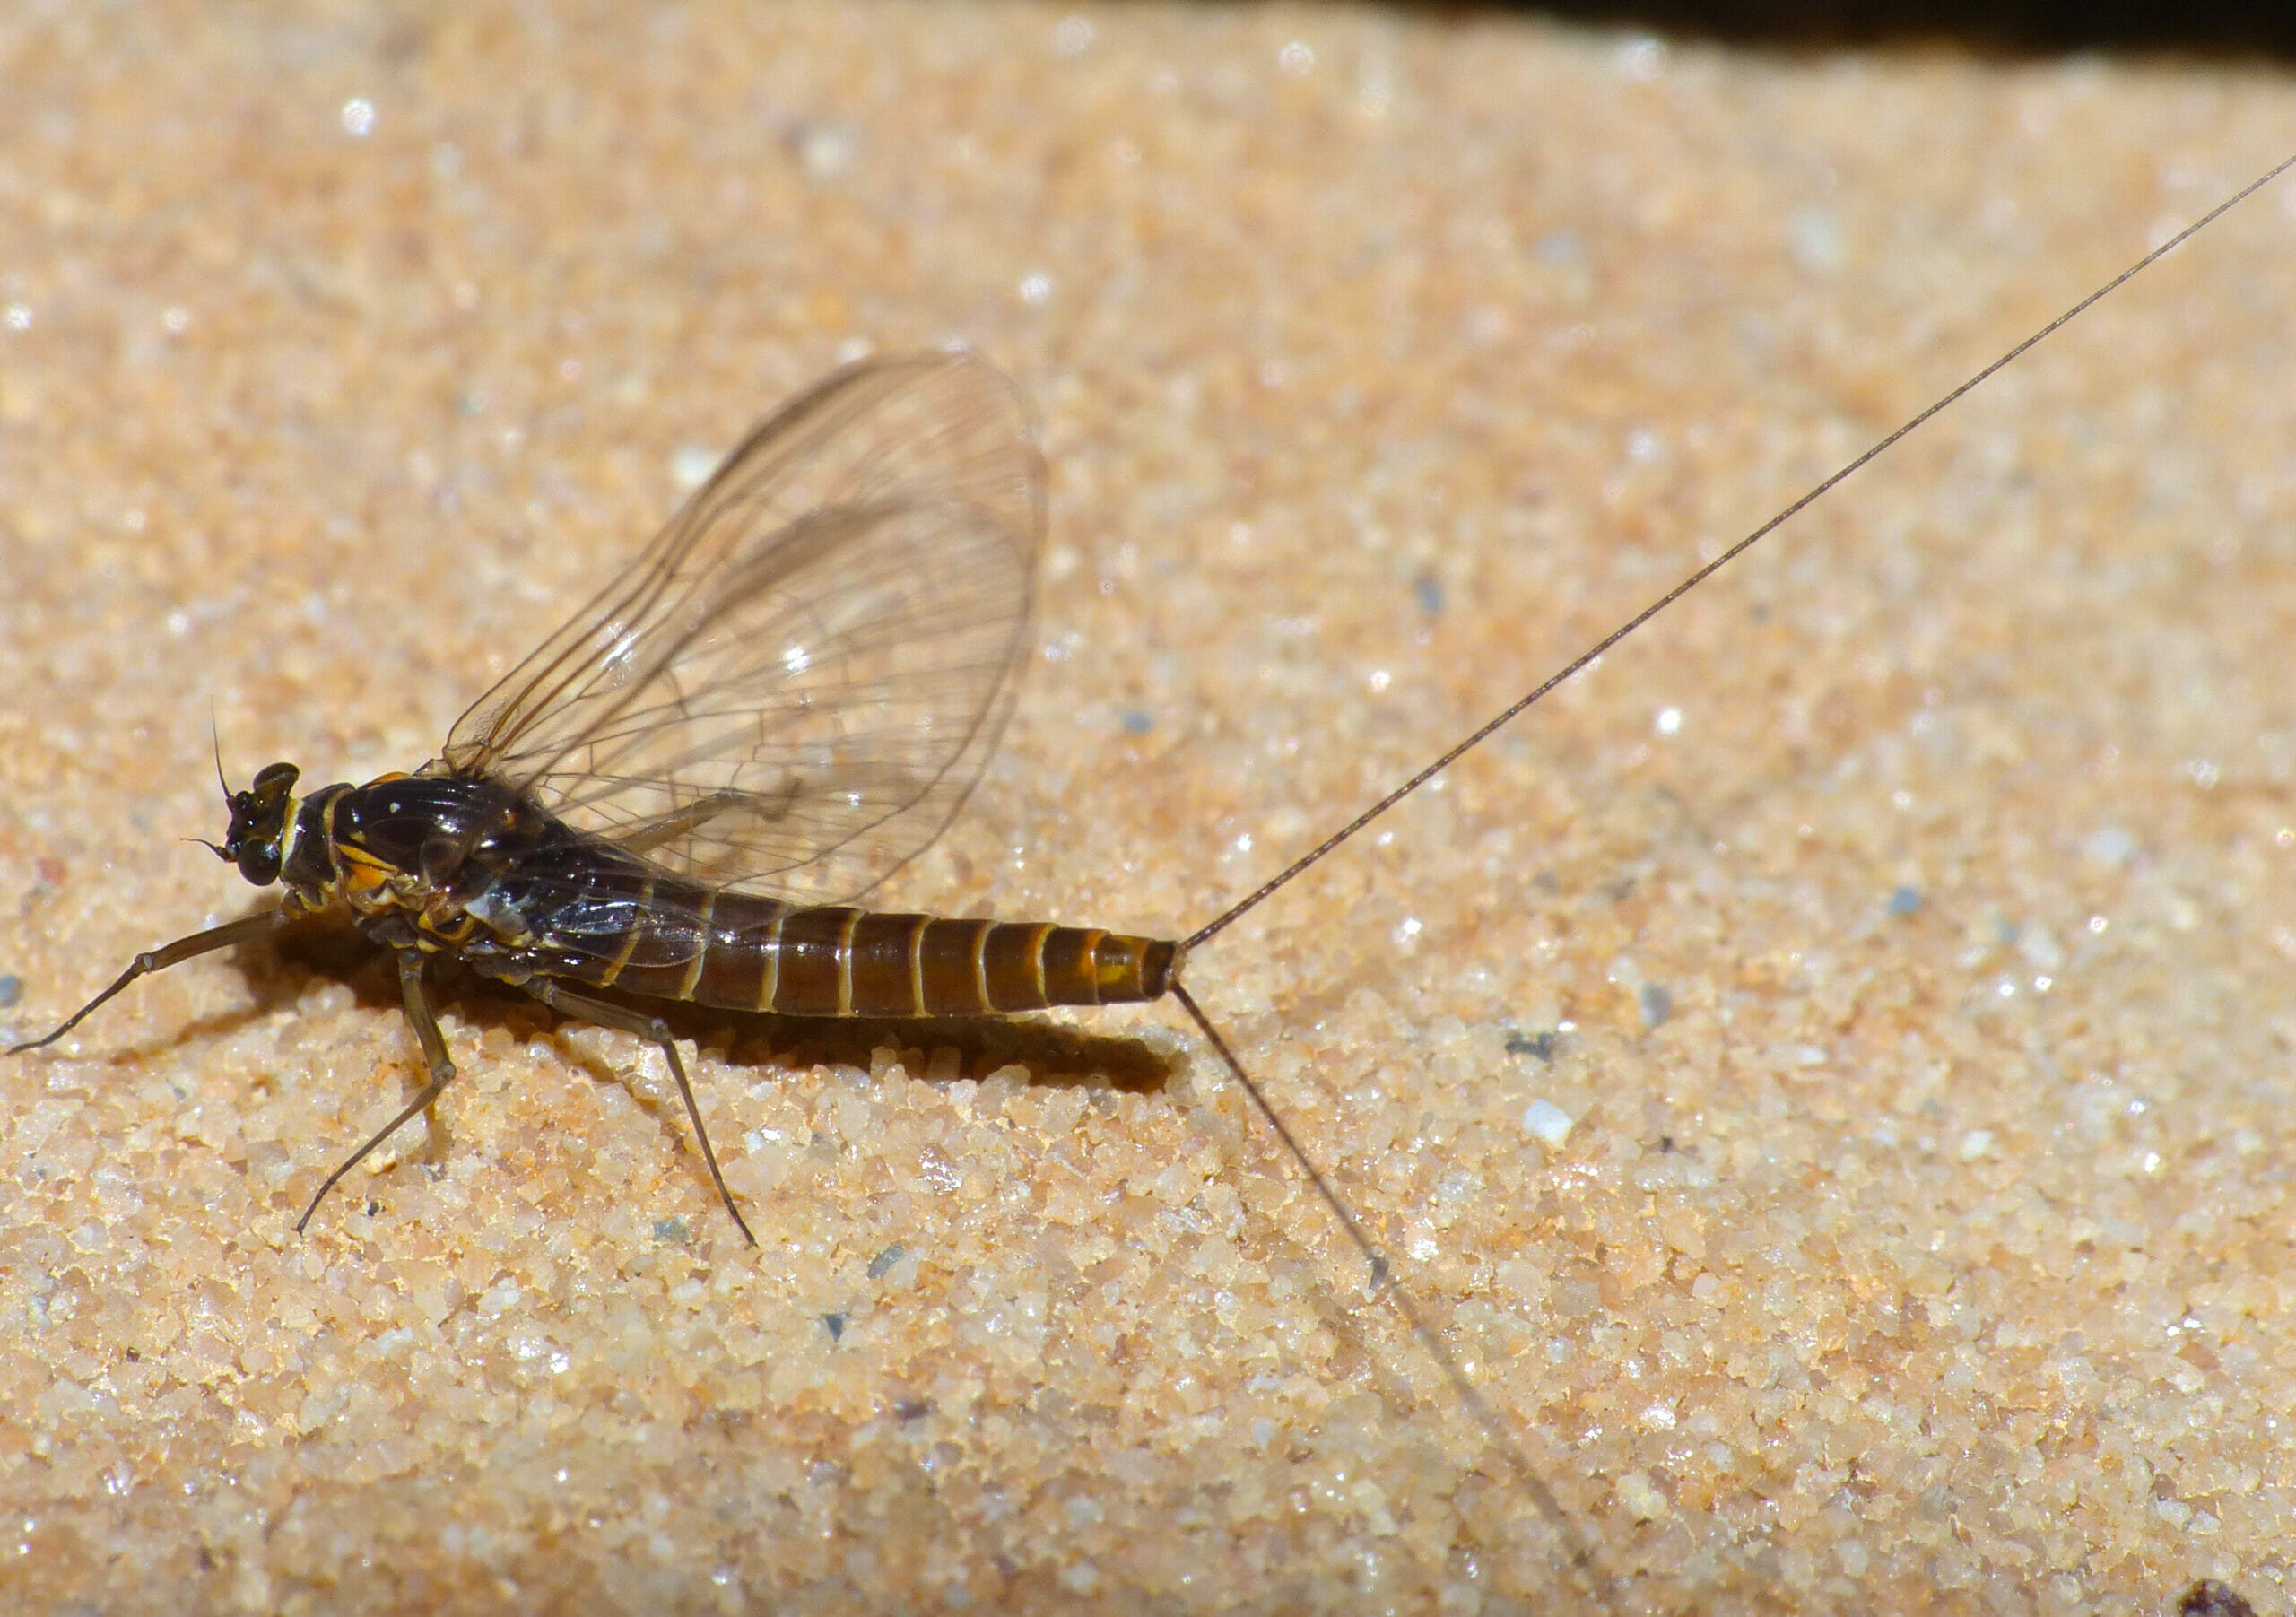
<point x="161" y="958"/>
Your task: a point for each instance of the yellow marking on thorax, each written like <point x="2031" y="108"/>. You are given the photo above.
<point x="448" y="926"/>
<point x="361" y="872"/>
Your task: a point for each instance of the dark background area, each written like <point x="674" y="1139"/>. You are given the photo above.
<point x="2228" y="29"/>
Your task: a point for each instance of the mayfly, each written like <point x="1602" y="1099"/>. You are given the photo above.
<point x="681" y="793"/>
<point x="685" y="793"/>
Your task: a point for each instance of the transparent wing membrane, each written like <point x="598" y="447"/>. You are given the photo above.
<point x="794" y="688"/>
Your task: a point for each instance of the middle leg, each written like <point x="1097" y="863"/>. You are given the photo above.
<point x="434" y="1056"/>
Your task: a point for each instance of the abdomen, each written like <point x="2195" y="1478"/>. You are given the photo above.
<point x="736" y="952"/>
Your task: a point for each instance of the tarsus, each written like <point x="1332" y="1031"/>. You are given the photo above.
<point x="1484" y="731"/>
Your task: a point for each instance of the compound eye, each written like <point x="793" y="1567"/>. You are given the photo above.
<point x="259" y="863"/>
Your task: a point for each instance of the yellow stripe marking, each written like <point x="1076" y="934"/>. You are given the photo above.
<point x="701" y="948"/>
<point x="769" y="980"/>
<point x="631" y="936"/>
<point x="980" y="965"/>
<point x="334" y="849"/>
<point x="845" y="963"/>
<point x="1036" y="961"/>
<point x="917" y="965"/>
<point x="1092" y="960"/>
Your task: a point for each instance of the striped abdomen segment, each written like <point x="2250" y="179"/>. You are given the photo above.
<point x="757" y="954"/>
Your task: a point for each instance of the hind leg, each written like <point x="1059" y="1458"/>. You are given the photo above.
<point x="654" y="1030"/>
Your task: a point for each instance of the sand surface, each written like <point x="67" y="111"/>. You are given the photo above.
<point x="1826" y="1073"/>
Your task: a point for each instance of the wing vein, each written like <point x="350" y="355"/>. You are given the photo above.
<point x="795" y="686"/>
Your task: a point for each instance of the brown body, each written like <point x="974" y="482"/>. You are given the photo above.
<point x="469" y="869"/>
<point x="744" y="953"/>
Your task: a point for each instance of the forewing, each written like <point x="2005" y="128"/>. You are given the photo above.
<point x="795" y="685"/>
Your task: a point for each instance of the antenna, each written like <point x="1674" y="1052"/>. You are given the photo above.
<point x="1833" y="480"/>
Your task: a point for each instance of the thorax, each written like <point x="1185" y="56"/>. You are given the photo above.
<point x="418" y="860"/>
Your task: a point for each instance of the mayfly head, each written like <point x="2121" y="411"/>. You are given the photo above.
<point x="260" y="817"/>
